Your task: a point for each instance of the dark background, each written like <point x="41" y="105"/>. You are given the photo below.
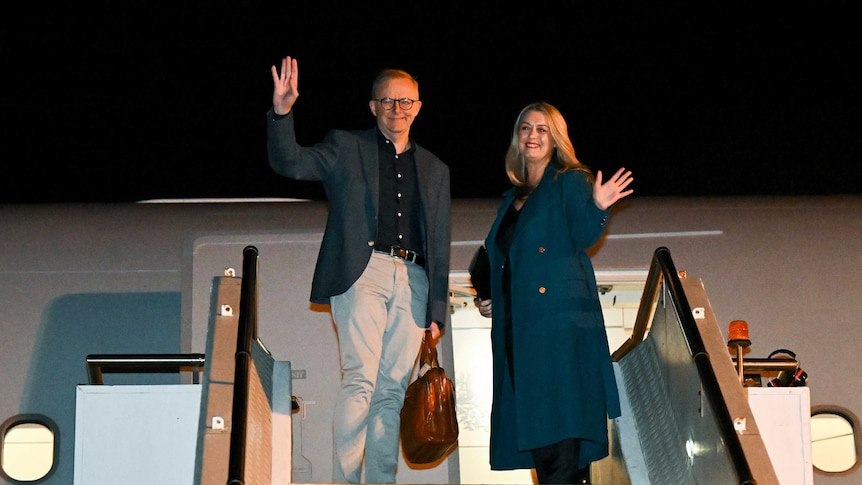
<point x="124" y="101"/>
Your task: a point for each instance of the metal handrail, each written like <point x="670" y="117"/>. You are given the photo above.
<point x="97" y="364"/>
<point x="246" y="336"/>
<point x="663" y="274"/>
<point x="650" y="293"/>
<point x="770" y="365"/>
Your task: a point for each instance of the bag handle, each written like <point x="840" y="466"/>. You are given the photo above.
<point x="429" y="351"/>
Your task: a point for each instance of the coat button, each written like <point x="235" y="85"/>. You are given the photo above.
<point x="542" y="290"/>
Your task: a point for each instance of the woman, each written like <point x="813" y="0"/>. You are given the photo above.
<point x="554" y="386"/>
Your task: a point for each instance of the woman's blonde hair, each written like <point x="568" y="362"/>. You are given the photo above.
<point x="564" y="156"/>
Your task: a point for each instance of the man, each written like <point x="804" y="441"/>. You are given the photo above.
<point x="383" y="264"/>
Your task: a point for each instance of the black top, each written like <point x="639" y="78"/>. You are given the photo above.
<point x="504" y="240"/>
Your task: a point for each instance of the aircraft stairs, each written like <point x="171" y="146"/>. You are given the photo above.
<point x="686" y="417"/>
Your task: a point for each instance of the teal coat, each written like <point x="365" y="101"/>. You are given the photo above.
<point x="563" y="373"/>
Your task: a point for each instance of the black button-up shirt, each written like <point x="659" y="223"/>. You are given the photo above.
<point x="398" y="221"/>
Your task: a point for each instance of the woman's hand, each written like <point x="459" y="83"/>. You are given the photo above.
<point x="484" y="307"/>
<point x="604" y="195"/>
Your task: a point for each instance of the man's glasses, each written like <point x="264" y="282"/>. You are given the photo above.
<point x="389" y="103"/>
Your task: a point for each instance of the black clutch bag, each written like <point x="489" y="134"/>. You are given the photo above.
<point x="480" y="273"/>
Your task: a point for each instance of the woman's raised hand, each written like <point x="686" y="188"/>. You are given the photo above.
<point x="604" y="195"/>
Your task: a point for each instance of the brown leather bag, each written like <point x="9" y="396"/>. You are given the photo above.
<point x="429" y="425"/>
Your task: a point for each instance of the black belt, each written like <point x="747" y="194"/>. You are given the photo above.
<point x="402" y="253"/>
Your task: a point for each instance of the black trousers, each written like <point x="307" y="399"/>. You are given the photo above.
<point x="558" y="463"/>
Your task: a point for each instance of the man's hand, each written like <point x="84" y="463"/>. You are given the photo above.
<point x="435" y="332"/>
<point x="286" y="85"/>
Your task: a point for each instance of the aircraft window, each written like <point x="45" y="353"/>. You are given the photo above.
<point x="834" y="441"/>
<point x="28" y="448"/>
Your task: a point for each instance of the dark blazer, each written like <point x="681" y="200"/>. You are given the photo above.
<point x="563" y="372"/>
<point x="346" y="162"/>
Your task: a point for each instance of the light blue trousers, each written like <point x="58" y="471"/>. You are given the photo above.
<point x="380" y="322"/>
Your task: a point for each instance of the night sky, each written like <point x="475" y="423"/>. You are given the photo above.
<point x="124" y="101"/>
